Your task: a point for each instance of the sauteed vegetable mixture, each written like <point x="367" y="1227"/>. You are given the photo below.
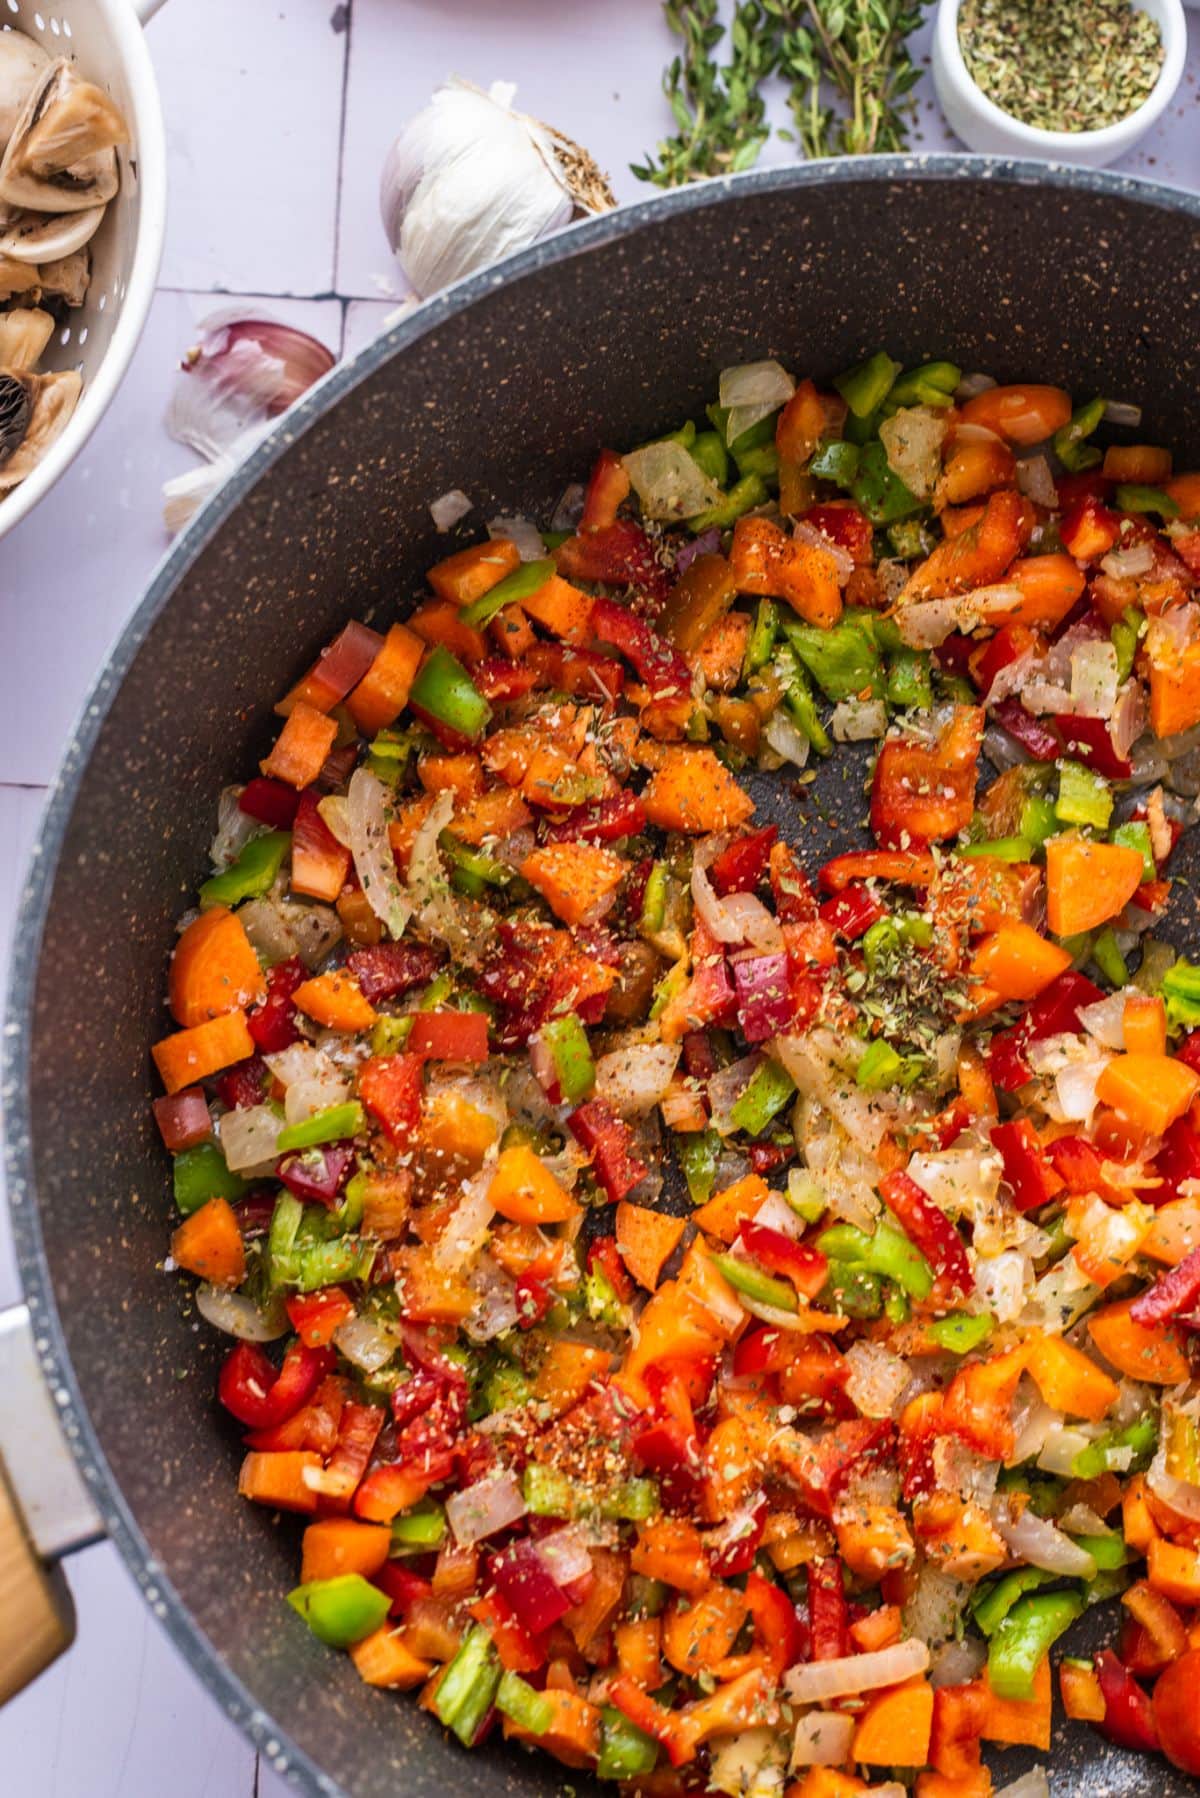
<point x="736" y="1303"/>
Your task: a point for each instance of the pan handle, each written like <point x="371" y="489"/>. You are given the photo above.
<point x="45" y="1512"/>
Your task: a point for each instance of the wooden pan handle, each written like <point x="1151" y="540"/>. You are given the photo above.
<point x="37" y="1618"/>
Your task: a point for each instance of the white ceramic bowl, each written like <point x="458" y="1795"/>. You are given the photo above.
<point x="982" y="125"/>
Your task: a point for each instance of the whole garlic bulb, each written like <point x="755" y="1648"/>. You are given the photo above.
<point x="469" y="180"/>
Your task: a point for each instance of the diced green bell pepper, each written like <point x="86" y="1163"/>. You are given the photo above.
<point x="528" y="1708"/>
<point x="1136" y="835"/>
<point x="867" y="385"/>
<point x="602" y="1301"/>
<point x="1109" y="1552"/>
<point x="709" y="454"/>
<point x="698" y="1151"/>
<point x="342" y="1610"/>
<point x="471" y="871"/>
<point x="746" y="1278"/>
<point x="468" y="1687"/>
<point x="419" y="1530"/>
<point x="766" y="1093"/>
<point x="887" y="1251"/>
<point x="961" y="1331"/>
<point x="1070" y="445"/>
<point x="334" y="1124"/>
<point x="1084" y="797"/>
<point x="1001" y="849"/>
<point x="506" y="1387"/>
<point x="328" y="1263"/>
<point x="909" y="680"/>
<point x="252" y="874"/>
<point x="799" y="701"/>
<point x="1110" y="1453"/>
<point x="880" y="1068"/>
<point x="1106" y="953"/>
<point x="1023" y="1638"/>
<point x="844" y="660"/>
<point x="742" y="497"/>
<point x="625" y="1750"/>
<point x="835" y="460"/>
<point x="880" y="493"/>
<point x="762" y="460"/>
<point x="200" y="1174"/>
<point x="567" y="1041"/>
<point x="932" y="384"/>
<point x="1125" y="634"/>
<point x="654" y="900"/>
<point x="852" y="1290"/>
<point x="1132" y="497"/>
<point x="993" y="1601"/>
<point x="521" y="584"/>
<point x="1039" y="820"/>
<point x="443" y="690"/>
<point x="909" y="539"/>
<point x="1181" y="990"/>
<point x="761" y="641"/>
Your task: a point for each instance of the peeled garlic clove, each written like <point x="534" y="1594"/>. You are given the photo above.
<point x="22" y="60"/>
<point x="68" y="277"/>
<point x="61" y="156"/>
<point x="470" y="180"/>
<point x="34" y="412"/>
<point x="24" y="334"/>
<point x="46" y="236"/>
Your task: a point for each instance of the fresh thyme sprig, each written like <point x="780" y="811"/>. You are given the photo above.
<point x="852" y="53"/>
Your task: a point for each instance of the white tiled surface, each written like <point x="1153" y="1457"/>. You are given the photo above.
<point x="278" y="116"/>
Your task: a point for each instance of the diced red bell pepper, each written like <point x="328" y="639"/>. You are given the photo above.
<point x="777" y="1630"/>
<point x="1087" y="529"/>
<point x="1189" y="1050"/>
<point x="449" y="1036"/>
<point x="270" y="802"/>
<point x="402" y="1586"/>
<point x="1055" y="1012"/>
<point x="340" y="666"/>
<point x="830" y="1459"/>
<point x="699" y="1056"/>
<point x="765" y="1157"/>
<point x="261" y="1397"/>
<point x="930" y="1229"/>
<point x="828" y="1617"/>
<point x="733" y="1544"/>
<point x="358" y="1432"/>
<point x="620" y="554"/>
<point x="658" y="663"/>
<point x="609" y="1141"/>
<point x="606" y="491"/>
<point x="1175" y="1293"/>
<point x="667" y="1449"/>
<point x="847" y="527"/>
<point x="1089" y="740"/>
<point x="254" y="1213"/>
<point x="1009" y="643"/>
<point x="805" y="1267"/>
<point x="795" y="901"/>
<point x="711" y="996"/>
<point x="519" y="1650"/>
<point x="1091" y="484"/>
<point x="318" y="1175"/>
<point x="764" y="996"/>
<point x="584" y="673"/>
<point x="604" y="1254"/>
<point x="852" y="912"/>
<point x="1006" y="1065"/>
<point x="391" y="1087"/>
<point x="389" y="970"/>
<point x="183" y="1119"/>
<point x="653" y="1719"/>
<point x="386" y="1491"/>
<point x="523" y="1580"/>
<point x="315" y="1316"/>
<point x="621" y="815"/>
<point x="1177" y="1160"/>
<point x="1033" y="734"/>
<point x="925" y="792"/>
<point x="740" y="867"/>
<point x="244" y="1084"/>
<point x="429" y="1411"/>
<point x="954" y="655"/>
<point x="320" y="863"/>
<point x="533" y="1298"/>
<point x="501" y="680"/>
<point x="1128" y="1712"/>
<point x="1080" y="1165"/>
<point x="1033" y="1179"/>
<point x="273" y="1023"/>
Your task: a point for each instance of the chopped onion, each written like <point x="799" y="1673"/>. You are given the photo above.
<point x="1127" y="564"/>
<point x="281" y="928"/>
<point x="1036" y="481"/>
<point x="957" y="1663"/>
<point x="569" y="510"/>
<point x="312" y="1079"/>
<point x="973" y="384"/>
<point x="1061" y="1297"/>
<point x="1128" y="719"/>
<point x="822" y="1739"/>
<point x="726" y="1087"/>
<point x="565" y="1554"/>
<point x="858" y="720"/>
<point x="1122" y="412"/>
<point x="816" y="1681"/>
<point x="1081" y="1520"/>
<point x="248" y="1137"/>
<point x="913" y="439"/>
<point x="485" y="1508"/>
<point x="1181" y="1495"/>
<point x="785" y="739"/>
<point x="530" y="544"/>
<point x="334" y="812"/>
<point x="669" y="483"/>
<point x="751" y="391"/>
<point x="466" y="1230"/>
<point x="497" y="1309"/>
<point x="374" y="863"/>
<point x="234" y="830"/>
<point x="926" y="623"/>
<point x="239" y="1316"/>
<point x="935" y="1607"/>
<point x="1041" y="1543"/>
<point x="1105" y="1020"/>
<point x="1033" y="1784"/>
<point x="449" y="508"/>
<point x="1094" y="679"/>
<point x="1002" y="1282"/>
<point x="365" y="1343"/>
<point x="1075" y="1090"/>
<point x="750" y="1764"/>
<point x="634" y="1079"/>
<point x="777" y="1214"/>
<point x="877" y="1378"/>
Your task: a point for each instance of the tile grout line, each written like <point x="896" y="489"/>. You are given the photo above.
<point x="341" y="162"/>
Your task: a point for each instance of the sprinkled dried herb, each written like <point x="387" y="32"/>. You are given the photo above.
<point x="1061" y="65"/>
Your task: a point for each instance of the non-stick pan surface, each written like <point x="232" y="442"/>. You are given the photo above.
<point x="503" y="387"/>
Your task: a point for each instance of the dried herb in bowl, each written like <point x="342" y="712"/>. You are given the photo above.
<point x="1061" y="65"/>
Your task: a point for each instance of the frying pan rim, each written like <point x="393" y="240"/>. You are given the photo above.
<point x="199" y="1652"/>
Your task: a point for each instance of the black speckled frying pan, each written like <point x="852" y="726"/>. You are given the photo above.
<point x="503" y="387"/>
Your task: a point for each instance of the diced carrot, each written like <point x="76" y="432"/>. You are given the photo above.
<point x="801" y="425"/>
<point x="873" y="1539"/>
<point x="214" y="969"/>
<point x="461" y="775"/>
<point x="1174" y="1232"/>
<point x="337" y="1545"/>
<point x="1049" y="585"/>
<point x="362" y="928"/>
<point x="1175" y="691"/>
<point x="335" y="1000"/>
<point x="1016" y="962"/>
<point x="670" y="1328"/>
<point x="302" y="746"/>
<point x="702" y="596"/>
<point x="561" y="609"/>
<point x="1150" y="1091"/>
<point x="970" y="471"/>
<point x="573" y="1735"/>
<point x="512" y="633"/>
<point x="670" y="1549"/>
<point x="209" y="1244"/>
<point x="192" y="1055"/>
<point x="1067" y="1380"/>
<point x="1021" y="1721"/>
<point x="566" y="1371"/>
<point x="1184" y="489"/>
<point x="975" y="558"/>
<point x="470" y="573"/>
<point x="382" y="693"/>
<point x="692" y="791"/>
<point x="524" y="1190"/>
<point x="894" y="1729"/>
<point x="1154" y="1355"/>
<point x="827" y="1782"/>
<point x="499" y="814"/>
<point x="722" y="1215"/>
<point x="638" y="1645"/>
<point x="578" y="881"/>
<point x="277" y="1479"/>
<point x="1138" y="464"/>
<point x="879" y="1628"/>
<point x="430" y="1294"/>
<point x="1020" y="414"/>
<point x="1145" y="1021"/>
<point x="384" y="1659"/>
<point x="975" y="1784"/>
<point x="723" y="651"/>
<point x="958" y="1536"/>
<point x="764" y="559"/>
<point x="594" y="1612"/>
<point x="701" y="1630"/>
<point x="454" y="1133"/>
<point x="1082" y="1698"/>
<point x="646" y="1240"/>
<point x="1174" y="1570"/>
<point x="1088" y="883"/>
<point x="438" y="622"/>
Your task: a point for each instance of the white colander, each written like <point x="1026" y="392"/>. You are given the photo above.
<point x="105" y="38"/>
